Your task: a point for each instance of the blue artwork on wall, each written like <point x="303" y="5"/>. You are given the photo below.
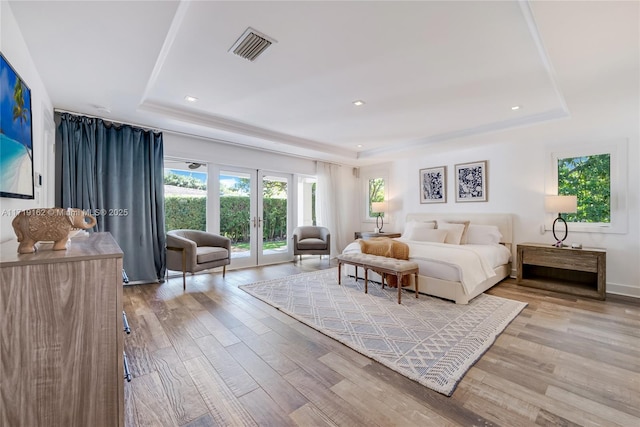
<point x="471" y="182"/>
<point x="433" y="188"/>
<point x="16" y="138"/>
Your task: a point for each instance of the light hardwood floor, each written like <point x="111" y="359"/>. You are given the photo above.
<point x="215" y="356"/>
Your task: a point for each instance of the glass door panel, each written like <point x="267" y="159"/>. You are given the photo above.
<point x="274" y="212"/>
<point x="238" y="218"/>
<point x="185" y="195"/>
<point x="254" y="212"/>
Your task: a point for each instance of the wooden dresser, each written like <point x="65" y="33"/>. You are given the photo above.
<point x="61" y="335"/>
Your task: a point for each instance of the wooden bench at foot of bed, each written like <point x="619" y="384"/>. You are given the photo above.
<point x="382" y="265"/>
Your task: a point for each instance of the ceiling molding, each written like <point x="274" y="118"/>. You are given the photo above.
<point x="176" y="23"/>
<point x="232" y="126"/>
<point x="527" y="13"/>
<point x="462" y="133"/>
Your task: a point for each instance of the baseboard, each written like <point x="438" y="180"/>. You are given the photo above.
<point x="625" y="290"/>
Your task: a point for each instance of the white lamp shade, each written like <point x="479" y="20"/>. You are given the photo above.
<point x="561" y="204"/>
<point x="379" y="207"/>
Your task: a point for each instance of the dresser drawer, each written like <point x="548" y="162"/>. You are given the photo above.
<point x="570" y="260"/>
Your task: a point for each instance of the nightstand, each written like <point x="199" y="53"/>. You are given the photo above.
<point x="366" y="235"/>
<point x="573" y="271"/>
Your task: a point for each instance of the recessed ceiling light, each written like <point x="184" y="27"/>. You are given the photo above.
<point x="358" y="103"/>
<point x="190" y="98"/>
<point x="515" y="107"/>
<point x="359" y="145"/>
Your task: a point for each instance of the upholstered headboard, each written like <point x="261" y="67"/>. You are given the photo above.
<point x="504" y="222"/>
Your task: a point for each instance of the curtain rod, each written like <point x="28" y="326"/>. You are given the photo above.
<point x="145" y="127"/>
<point x="75" y="113"/>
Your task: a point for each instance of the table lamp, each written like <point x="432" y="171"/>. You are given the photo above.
<point x="379" y="208"/>
<point x="560" y="205"/>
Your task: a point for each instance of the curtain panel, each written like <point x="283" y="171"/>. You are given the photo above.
<point x="328" y="206"/>
<point x="115" y="172"/>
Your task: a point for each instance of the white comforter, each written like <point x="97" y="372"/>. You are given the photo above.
<point x="475" y="263"/>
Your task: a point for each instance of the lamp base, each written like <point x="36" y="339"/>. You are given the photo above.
<point x="379" y="226"/>
<point x="559" y="242"/>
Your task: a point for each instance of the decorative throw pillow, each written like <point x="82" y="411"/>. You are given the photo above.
<point x="412" y="225"/>
<point x="454" y="232"/>
<point x="479" y="234"/>
<point x="463" y="239"/>
<point x="428" y="235"/>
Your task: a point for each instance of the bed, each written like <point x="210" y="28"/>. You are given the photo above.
<point x="457" y="272"/>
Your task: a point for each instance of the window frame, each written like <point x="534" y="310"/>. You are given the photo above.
<point x="365" y="190"/>
<point x="617" y="151"/>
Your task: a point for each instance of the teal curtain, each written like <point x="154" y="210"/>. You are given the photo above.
<point x="116" y="173"/>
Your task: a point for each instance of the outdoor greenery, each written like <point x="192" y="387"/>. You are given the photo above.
<point x="184" y="181"/>
<point x="185" y="212"/>
<point x="190" y="212"/>
<point x="589" y="178"/>
<point x="235" y="222"/>
<point x="376" y="193"/>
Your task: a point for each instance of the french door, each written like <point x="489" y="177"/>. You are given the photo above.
<point x="255" y="211"/>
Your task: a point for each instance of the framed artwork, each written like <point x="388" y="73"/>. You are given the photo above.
<point x="433" y="185"/>
<point x="16" y="139"/>
<point x="471" y="182"/>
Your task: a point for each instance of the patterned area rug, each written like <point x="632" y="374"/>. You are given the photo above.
<point x="429" y="340"/>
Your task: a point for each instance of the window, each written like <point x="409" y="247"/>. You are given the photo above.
<point x="597" y="175"/>
<point x="588" y="178"/>
<point x="374" y="188"/>
<point x="376" y="194"/>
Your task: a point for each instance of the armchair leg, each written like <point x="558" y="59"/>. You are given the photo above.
<point x="184" y="270"/>
<point x="224" y="270"/>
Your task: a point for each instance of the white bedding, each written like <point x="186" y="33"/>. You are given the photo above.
<point x="468" y="264"/>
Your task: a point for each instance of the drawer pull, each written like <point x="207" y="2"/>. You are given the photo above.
<point x="125" y="322"/>
<point x="127" y="372"/>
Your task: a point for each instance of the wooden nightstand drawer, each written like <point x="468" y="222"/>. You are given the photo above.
<point x="570" y="259"/>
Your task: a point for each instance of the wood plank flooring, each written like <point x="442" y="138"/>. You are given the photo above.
<point x="215" y="356"/>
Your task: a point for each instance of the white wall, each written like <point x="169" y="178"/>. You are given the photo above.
<point x="209" y="151"/>
<point x="516" y="184"/>
<point x="15" y="51"/>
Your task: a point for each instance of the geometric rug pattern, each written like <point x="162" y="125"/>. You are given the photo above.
<point x="430" y="340"/>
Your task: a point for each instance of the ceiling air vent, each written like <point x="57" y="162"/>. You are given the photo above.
<point x="251" y="44"/>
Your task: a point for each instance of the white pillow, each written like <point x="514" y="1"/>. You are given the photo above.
<point x="454" y="232"/>
<point x="412" y="225"/>
<point x="478" y="234"/>
<point x="428" y="235"/>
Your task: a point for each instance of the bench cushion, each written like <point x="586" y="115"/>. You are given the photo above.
<point x="373" y="261"/>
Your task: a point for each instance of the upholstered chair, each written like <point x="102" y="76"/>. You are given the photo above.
<point x="194" y="250"/>
<point x="311" y="240"/>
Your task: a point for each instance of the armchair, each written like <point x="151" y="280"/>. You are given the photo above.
<point x="313" y="240"/>
<point x="194" y="250"/>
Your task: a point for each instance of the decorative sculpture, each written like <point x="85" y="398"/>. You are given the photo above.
<point x="52" y="224"/>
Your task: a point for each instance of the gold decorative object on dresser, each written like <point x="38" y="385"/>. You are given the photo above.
<point x="580" y="272"/>
<point x="61" y="355"/>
